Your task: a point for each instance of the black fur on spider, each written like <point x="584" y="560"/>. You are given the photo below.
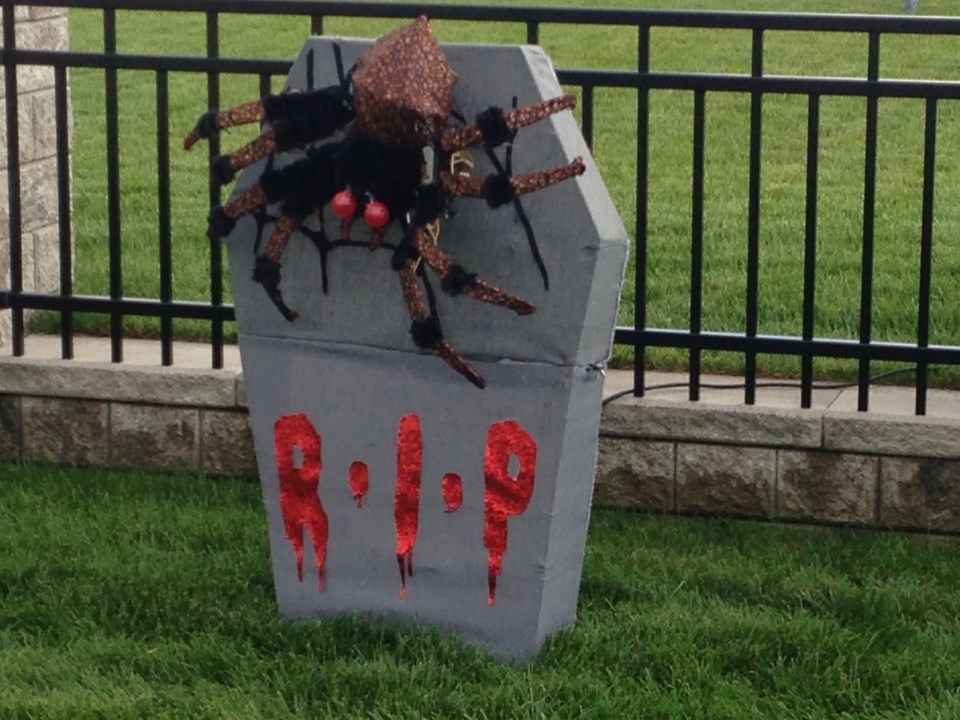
<point x="394" y="152"/>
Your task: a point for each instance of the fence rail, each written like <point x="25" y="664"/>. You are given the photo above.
<point x="642" y="79"/>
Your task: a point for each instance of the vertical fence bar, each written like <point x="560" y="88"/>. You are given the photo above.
<point x="216" y="249"/>
<point x="533" y="32"/>
<point x="696" y="240"/>
<point x="640" y="228"/>
<point x="13" y="171"/>
<point x="113" y="184"/>
<point x="163" y="214"/>
<point x="753" y="220"/>
<point x="869" y="207"/>
<point x="926" y="248"/>
<point x="316" y="24"/>
<point x="810" y="248"/>
<point x="61" y="113"/>
<point x="265" y="84"/>
<point x="586" y="116"/>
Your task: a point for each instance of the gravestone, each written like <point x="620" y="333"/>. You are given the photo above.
<point x="393" y="487"/>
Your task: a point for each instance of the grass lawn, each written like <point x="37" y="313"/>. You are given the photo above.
<point x="727" y="135"/>
<point x="125" y="594"/>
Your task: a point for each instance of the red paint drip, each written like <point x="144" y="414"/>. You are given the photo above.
<point x="504" y="495"/>
<point x="406" y="499"/>
<point x="300" y="502"/>
<point x="452" y="489"/>
<point x="359" y="481"/>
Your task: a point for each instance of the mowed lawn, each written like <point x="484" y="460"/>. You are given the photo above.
<point x="129" y="595"/>
<point x="841" y="177"/>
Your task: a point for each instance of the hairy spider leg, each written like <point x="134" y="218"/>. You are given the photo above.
<point x="266" y="271"/>
<point x="425" y="328"/>
<point x="225" y="167"/>
<point x="495" y="127"/>
<point x="213" y="121"/>
<point x="377" y="235"/>
<point x="376" y="238"/>
<point x="267" y="268"/>
<point x="455" y="280"/>
<point x="346" y="224"/>
<point x="498" y="189"/>
<point x="223" y="217"/>
<point x="293" y="120"/>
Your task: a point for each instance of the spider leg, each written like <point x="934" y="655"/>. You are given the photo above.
<point x="301" y="187"/>
<point x="267" y="267"/>
<point x="346" y="224"/>
<point x="293" y="120"/>
<point x="213" y="121"/>
<point x="225" y="167"/>
<point x="425" y="328"/>
<point x="455" y="280"/>
<point x="506" y="168"/>
<point x="376" y="238"/>
<point x="223" y="217"/>
<point x="495" y="127"/>
<point x="266" y="271"/>
<point x="499" y="189"/>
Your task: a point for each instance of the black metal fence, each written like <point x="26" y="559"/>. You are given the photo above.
<point x="641" y="80"/>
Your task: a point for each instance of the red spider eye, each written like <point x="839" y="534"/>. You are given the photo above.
<point x="344" y="204"/>
<point x="376" y="214"/>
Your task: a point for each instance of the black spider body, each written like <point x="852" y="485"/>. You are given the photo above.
<point x="370" y="168"/>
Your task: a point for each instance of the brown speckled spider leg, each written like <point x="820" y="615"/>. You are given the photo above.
<point x="454" y="279"/>
<point x="225" y="167"/>
<point x="462" y="137"/>
<point x="425" y="329"/>
<point x="223" y="217"/>
<point x="376" y="238"/>
<point x="345" y="225"/>
<point x="494" y="190"/>
<point x="266" y="271"/>
<point x="210" y="123"/>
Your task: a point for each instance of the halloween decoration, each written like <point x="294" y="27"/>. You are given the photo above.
<point x="395" y="152"/>
<point x="392" y="488"/>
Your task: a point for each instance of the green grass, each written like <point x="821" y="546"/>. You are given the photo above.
<point x="727" y="135"/>
<point x="125" y="594"/>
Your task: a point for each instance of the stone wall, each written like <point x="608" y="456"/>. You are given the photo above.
<point x="120" y="416"/>
<point x="37" y="28"/>
<point x="830" y="464"/>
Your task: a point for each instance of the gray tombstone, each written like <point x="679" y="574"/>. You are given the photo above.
<point x="366" y="445"/>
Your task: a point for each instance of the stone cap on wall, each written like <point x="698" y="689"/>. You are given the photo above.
<point x="833" y="423"/>
<point x="890" y="428"/>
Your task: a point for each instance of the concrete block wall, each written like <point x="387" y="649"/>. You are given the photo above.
<point x="36" y="28"/>
<point x="119" y="416"/>
<point x="830" y="464"/>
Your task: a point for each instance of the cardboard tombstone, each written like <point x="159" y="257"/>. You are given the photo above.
<point x="394" y="487"/>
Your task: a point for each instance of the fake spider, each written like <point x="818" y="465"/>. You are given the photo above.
<point x="398" y="157"/>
